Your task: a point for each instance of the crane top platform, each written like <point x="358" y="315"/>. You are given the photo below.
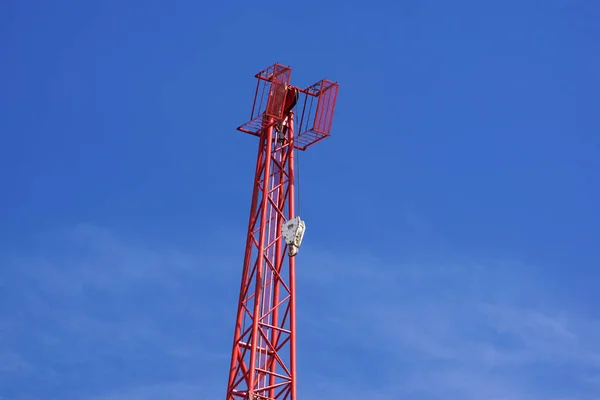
<point x="275" y="98"/>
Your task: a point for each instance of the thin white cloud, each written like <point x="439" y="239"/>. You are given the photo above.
<point x="460" y="331"/>
<point x="97" y="310"/>
<point x="112" y="318"/>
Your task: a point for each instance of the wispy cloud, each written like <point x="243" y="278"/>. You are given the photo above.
<point x="93" y="315"/>
<point x="464" y="331"/>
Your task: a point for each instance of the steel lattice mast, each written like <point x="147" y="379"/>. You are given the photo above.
<point x="263" y="362"/>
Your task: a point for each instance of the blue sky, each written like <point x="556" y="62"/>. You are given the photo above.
<point x="452" y="235"/>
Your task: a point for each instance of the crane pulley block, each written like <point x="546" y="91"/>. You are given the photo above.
<point x="293" y="232"/>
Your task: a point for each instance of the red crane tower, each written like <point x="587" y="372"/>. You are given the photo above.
<point x="263" y="361"/>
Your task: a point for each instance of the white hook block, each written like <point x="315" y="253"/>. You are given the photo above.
<point x="293" y="232"/>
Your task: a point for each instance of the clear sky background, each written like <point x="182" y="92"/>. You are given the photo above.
<point x="453" y="232"/>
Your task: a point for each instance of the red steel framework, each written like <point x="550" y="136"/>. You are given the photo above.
<point x="263" y="362"/>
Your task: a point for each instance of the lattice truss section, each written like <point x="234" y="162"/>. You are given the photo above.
<point x="263" y="331"/>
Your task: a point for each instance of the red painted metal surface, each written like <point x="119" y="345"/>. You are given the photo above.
<point x="314" y="108"/>
<point x="263" y="362"/>
<point x="317" y="113"/>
